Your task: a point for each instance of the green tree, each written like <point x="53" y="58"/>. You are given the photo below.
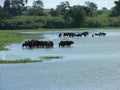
<point x="38" y="4"/>
<point x="87" y="10"/>
<point x="17" y="6"/>
<point x="92" y="6"/>
<point x="63" y="7"/>
<point x="116" y="9"/>
<point x="77" y="13"/>
<point x="104" y="9"/>
<point x="37" y="8"/>
<point x="54" y="12"/>
<point x="1" y="13"/>
<point x="7" y="6"/>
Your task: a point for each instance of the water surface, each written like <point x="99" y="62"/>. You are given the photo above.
<point x="90" y="64"/>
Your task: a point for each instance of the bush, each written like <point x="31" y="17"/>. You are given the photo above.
<point x="55" y="22"/>
<point x="114" y="22"/>
<point x="23" y="22"/>
<point x="96" y="22"/>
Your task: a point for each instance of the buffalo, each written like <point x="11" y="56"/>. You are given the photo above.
<point x="100" y="34"/>
<point x="65" y="43"/>
<point x="70" y="34"/>
<point x="38" y="44"/>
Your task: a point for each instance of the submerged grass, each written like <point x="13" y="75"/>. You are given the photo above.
<point x="50" y="57"/>
<point x="18" y="61"/>
<point x="43" y="58"/>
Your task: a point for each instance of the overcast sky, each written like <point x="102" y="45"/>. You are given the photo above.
<point x="52" y="3"/>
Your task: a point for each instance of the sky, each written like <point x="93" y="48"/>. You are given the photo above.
<point x="52" y="3"/>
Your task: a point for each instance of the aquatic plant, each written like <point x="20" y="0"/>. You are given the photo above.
<point x="18" y="61"/>
<point x="50" y="57"/>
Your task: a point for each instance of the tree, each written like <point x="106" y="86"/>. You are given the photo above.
<point x="17" y="6"/>
<point x="7" y="6"/>
<point x="104" y="9"/>
<point x="87" y="10"/>
<point x="63" y="7"/>
<point x="37" y="8"/>
<point x="77" y="13"/>
<point x="116" y="9"/>
<point x="92" y="6"/>
<point x="54" y="12"/>
<point x="38" y="4"/>
<point x="1" y="13"/>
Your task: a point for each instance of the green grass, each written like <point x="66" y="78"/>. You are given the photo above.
<point x="50" y="57"/>
<point x="13" y="36"/>
<point x="43" y="58"/>
<point x="18" y="61"/>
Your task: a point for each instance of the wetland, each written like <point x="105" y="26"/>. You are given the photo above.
<point x="91" y="63"/>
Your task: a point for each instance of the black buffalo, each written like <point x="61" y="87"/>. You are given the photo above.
<point x="71" y="34"/>
<point x="65" y="43"/>
<point x="100" y="34"/>
<point x="37" y="44"/>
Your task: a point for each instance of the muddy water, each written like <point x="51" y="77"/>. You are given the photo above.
<point x="90" y="64"/>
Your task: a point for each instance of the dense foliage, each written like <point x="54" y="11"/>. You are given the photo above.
<point x="16" y="14"/>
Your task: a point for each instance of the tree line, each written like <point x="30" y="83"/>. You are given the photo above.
<point x="16" y="14"/>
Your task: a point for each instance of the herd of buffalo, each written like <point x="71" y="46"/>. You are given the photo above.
<point x="38" y="44"/>
<point x="50" y="44"/>
<point x="45" y="44"/>
<point x="83" y="34"/>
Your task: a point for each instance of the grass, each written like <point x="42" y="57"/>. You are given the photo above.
<point x="43" y="58"/>
<point x="50" y="57"/>
<point x="18" y="61"/>
<point x="13" y="36"/>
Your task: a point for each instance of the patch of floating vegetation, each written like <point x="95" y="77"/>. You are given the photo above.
<point x="42" y="58"/>
<point x="18" y="61"/>
<point x="50" y="57"/>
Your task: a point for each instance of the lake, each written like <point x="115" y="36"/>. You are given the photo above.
<point x="91" y="63"/>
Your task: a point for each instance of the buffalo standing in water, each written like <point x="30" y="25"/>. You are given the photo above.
<point x="38" y="44"/>
<point x="65" y="43"/>
<point x="70" y="34"/>
<point x="99" y="34"/>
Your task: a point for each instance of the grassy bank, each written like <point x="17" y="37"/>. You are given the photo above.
<point x="13" y="36"/>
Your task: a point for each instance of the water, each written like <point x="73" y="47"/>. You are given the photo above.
<point x="90" y="64"/>
<point x="84" y="47"/>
